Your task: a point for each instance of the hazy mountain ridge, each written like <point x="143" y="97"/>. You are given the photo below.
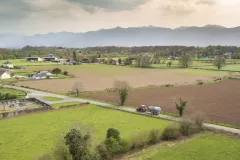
<point x="134" y="36"/>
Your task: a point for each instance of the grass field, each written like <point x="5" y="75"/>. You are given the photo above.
<point x="105" y="76"/>
<point x="23" y="62"/>
<point x="52" y="99"/>
<point x="11" y="91"/>
<point x="235" y="67"/>
<point x="206" y="146"/>
<point x="64" y="104"/>
<point x="25" y="137"/>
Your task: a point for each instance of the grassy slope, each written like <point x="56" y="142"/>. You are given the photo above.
<point x="24" y="137"/>
<point x="207" y="146"/>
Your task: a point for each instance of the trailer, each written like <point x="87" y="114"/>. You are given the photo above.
<point x="155" y="110"/>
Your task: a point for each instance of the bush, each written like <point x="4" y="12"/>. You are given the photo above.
<point x="102" y="152"/>
<point x="154" y="136"/>
<point x="112" y="146"/>
<point x="111" y="132"/>
<point x="125" y="146"/>
<point x="170" y="133"/>
<point x="139" y="140"/>
<point x="187" y="127"/>
<point x="65" y="73"/>
<point x="60" y="151"/>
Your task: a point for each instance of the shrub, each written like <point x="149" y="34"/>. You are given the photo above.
<point x="139" y="140"/>
<point x="125" y="146"/>
<point x="102" y="152"/>
<point x="78" y="145"/>
<point x="199" y="83"/>
<point x="170" y="133"/>
<point x="154" y="136"/>
<point x="65" y="73"/>
<point x="60" y="151"/>
<point x="111" y="132"/>
<point x="186" y="127"/>
<point x="112" y="146"/>
<point x="56" y="71"/>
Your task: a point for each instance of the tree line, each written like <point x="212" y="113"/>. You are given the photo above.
<point x="114" y="51"/>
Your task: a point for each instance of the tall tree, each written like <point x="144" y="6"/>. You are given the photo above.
<point x="74" y="56"/>
<point x="122" y="87"/>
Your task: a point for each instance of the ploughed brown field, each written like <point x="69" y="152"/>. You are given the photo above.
<point x="219" y="102"/>
<point x="100" y="77"/>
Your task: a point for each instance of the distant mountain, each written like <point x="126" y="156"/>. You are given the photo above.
<point x="134" y="36"/>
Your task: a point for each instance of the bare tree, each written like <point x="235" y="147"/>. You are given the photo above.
<point x="122" y="87"/>
<point x="77" y="88"/>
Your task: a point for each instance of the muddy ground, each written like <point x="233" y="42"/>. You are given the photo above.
<point x="219" y="102"/>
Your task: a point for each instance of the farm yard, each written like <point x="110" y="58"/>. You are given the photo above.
<point x="36" y="133"/>
<point x="218" y="101"/>
<point x="99" y="77"/>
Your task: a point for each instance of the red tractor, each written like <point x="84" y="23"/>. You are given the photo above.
<point x="142" y="108"/>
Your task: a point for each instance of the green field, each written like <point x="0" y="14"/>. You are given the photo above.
<point x="235" y="67"/>
<point x="11" y="91"/>
<point x="64" y="104"/>
<point x="25" y="137"/>
<point x="52" y="99"/>
<point x="205" y="146"/>
<point x="23" y="62"/>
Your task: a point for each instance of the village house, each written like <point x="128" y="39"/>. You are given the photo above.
<point x="42" y="74"/>
<point x="50" y="57"/>
<point x="228" y="55"/>
<point x="5" y="74"/>
<point x="8" y="65"/>
<point x="33" y="59"/>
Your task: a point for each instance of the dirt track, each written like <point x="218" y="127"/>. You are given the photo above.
<point x="219" y="102"/>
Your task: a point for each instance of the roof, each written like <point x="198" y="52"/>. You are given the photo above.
<point x="41" y="75"/>
<point x="2" y="71"/>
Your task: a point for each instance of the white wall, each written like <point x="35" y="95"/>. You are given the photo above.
<point x="6" y="75"/>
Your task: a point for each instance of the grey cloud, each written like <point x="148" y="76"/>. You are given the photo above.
<point x="207" y="2"/>
<point x="109" y="5"/>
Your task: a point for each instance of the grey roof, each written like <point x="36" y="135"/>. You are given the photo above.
<point x="41" y="75"/>
<point x="2" y="71"/>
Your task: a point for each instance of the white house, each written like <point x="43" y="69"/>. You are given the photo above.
<point x="8" y="65"/>
<point x="42" y="75"/>
<point x="50" y="57"/>
<point x="5" y="74"/>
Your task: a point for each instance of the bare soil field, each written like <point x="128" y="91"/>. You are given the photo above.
<point x="219" y="102"/>
<point x="100" y="77"/>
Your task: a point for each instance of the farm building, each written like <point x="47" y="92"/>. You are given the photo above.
<point x="50" y="57"/>
<point x="8" y="65"/>
<point x="33" y="59"/>
<point x="5" y="74"/>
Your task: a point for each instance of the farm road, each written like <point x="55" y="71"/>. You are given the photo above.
<point x="40" y="95"/>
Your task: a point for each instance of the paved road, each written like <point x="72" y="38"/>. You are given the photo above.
<point x="40" y="94"/>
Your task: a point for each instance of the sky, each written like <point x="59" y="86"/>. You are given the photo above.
<point x="30" y="17"/>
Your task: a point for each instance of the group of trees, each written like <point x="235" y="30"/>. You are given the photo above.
<point x="113" y="51"/>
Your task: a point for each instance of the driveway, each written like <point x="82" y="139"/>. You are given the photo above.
<point x="40" y="95"/>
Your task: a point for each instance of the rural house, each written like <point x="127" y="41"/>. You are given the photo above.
<point x="33" y="59"/>
<point x="8" y="65"/>
<point x="5" y="74"/>
<point x="50" y="57"/>
<point x="228" y="55"/>
<point x="42" y="75"/>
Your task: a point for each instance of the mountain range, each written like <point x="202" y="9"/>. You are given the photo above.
<point x="134" y="36"/>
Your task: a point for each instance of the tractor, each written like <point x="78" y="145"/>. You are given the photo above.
<point x="142" y="108"/>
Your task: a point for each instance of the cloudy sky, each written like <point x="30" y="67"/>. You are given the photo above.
<point x="42" y="16"/>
